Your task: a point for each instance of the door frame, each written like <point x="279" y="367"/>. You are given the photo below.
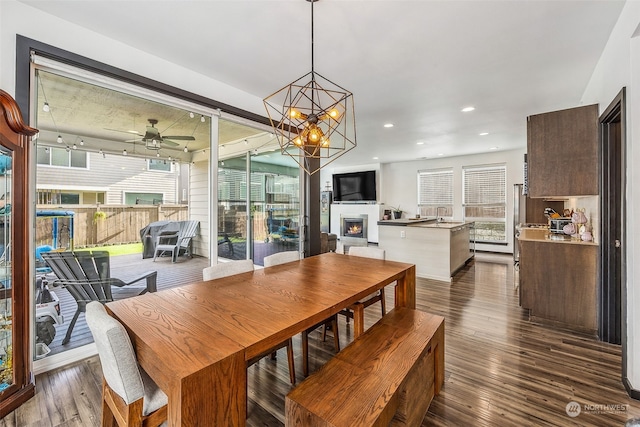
<point x="612" y="221"/>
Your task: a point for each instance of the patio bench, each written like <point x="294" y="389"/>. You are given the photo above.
<point x="385" y="377"/>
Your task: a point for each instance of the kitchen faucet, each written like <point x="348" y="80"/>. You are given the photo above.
<point x="438" y="217"/>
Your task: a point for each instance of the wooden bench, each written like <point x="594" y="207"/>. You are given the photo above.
<point x="385" y="377"/>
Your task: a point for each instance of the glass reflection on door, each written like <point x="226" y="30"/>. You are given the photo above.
<point x="6" y="328"/>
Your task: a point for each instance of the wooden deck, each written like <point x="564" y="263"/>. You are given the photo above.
<point x="125" y="267"/>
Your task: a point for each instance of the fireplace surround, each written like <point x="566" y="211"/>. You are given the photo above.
<point x="354" y="229"/>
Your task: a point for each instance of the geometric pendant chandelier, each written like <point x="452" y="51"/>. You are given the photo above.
<point x="313" y="118"/>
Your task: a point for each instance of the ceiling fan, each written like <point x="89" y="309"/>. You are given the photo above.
<point x="154" y="141"/>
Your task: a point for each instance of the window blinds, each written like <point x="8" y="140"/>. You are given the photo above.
<point x="435" y="187"/>
<point x="485" y="185"/>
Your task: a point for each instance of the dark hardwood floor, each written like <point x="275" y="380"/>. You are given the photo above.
<point x="501" y="369"/>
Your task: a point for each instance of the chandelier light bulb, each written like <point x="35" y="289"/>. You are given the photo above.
<point x="124" y="152"/>
<point x="192" y="115"/>
<point x="202" y="119"/>
<point x="59" y="139"/>
<point x="158" y="154"/>
<point x="75" y="147"/>
<point x="186" y="150"/>
<point x="46" y="107"/>
<point x="82" y="142"/>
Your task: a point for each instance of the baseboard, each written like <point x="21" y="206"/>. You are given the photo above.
<point x="633" y="393"/>
<point x="65" y="358"/>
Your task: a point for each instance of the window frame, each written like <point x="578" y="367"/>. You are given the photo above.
<point x="480" y="235"/>
<point x="430" y="207"/>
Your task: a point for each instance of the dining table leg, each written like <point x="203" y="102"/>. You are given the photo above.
<point x="405" y="291"/>
<point x="358" y="319"/>
<point x="215" y="395"/>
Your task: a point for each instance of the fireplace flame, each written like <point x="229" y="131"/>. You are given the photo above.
<point x="355" y="229"/>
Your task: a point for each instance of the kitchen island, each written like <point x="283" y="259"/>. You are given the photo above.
<point x="438" y="249"/>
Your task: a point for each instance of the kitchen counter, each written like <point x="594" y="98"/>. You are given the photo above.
<point x="406" y="221"/>
<point x="424" y="223"/>
<point x="438" y="249"/>
<point x="543" y="235"/>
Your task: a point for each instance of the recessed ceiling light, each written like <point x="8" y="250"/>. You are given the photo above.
<point x="420" y="143"/>
<point x="483" y="133"/>
<point x="493" y="148"/>
<point x="440" y="154"/>
<point x="467" y="109"/>
<point x="388" y="125"/>
<point x="375" y="158"/>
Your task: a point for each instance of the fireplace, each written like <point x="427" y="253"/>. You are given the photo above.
<point x="353" y="230"/>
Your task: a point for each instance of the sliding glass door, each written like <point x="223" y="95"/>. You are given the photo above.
<point x="258" y="201"/>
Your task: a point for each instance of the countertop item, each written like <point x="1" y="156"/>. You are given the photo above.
<point x="542" y="235"/>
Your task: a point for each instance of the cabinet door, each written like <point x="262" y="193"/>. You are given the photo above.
<point x="562" y="153"/>
<point x="16" y="381"/>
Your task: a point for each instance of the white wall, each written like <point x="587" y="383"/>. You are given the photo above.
<point x="18" y="18"/>
<point x="399" y="184"/>
<point x="619" y="66"/>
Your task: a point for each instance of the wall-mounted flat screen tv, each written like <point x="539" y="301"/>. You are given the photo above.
<point x="354" y="187"/>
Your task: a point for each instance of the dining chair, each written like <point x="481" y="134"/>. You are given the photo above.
<point x="225" y="269"/>
<point x="129" y="395"/>
<point x="331" y="322"/>
<point x="367" y="252"/>
<point x="281" y="258"/>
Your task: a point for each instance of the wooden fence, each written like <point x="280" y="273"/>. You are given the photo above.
<point x="119" y="224"/>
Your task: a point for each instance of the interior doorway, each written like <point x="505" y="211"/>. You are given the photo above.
<point x="612" y="313"/>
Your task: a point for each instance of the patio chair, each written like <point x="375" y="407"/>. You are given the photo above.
<point x="177" y="242"/>
<point x="86" y="275"/>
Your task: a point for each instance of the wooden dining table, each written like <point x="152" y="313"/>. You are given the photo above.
<point x="195" y="340"/>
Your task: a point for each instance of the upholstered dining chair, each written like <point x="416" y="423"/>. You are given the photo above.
<point x="225" y="269"/>
<point x="129" y="395"/>
<point x="331" y="322"/>
<point x="281" y="258"/>
<point x="368" y="252"/>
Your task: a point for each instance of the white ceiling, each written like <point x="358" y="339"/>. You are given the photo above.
<point x="415" y="64"/>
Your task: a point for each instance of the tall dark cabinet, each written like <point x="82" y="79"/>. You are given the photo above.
<point x="563" y="153"/>
<point x="16" y="379"/>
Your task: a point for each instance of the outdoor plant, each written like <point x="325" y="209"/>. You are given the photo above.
<point x="99" y="216"/>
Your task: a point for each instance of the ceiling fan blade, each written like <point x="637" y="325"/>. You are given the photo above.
<point x="130" y="132"/>
<point x="180" y="138"/>
<point x="169" y="143"/>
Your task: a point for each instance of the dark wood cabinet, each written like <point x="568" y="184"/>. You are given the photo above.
<point x="562" y="153"/>
<point x="16" y="379"/>
<point x="558" y="284"/>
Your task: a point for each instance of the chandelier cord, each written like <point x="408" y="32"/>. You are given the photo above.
<point x="313" y="76"/>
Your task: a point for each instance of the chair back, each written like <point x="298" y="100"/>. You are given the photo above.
<point x="118" y="360"/>
<point x="225" y="269"/>
<point x="281" y="258"/>
<point x="187" y="232"/>
<point x="367" y="252"/>
<point x="84" y="274"/>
